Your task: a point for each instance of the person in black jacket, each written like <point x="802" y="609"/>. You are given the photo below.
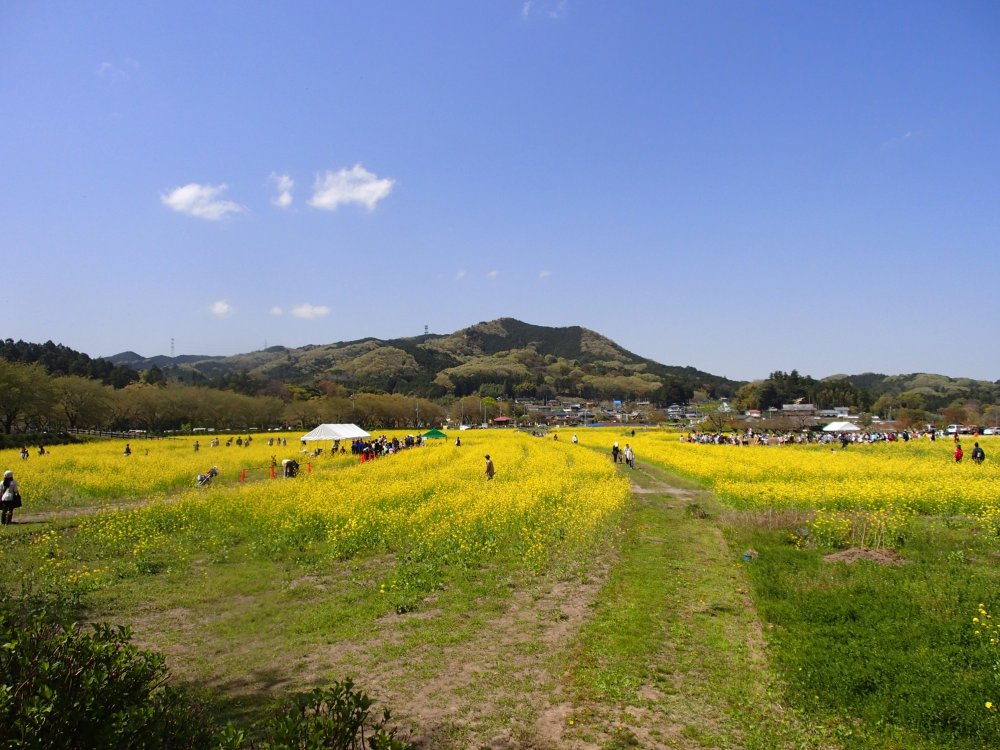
<point x="978" y="455"/>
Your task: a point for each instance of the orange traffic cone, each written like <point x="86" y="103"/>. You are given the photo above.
<point x="243" y="475"/>
<point x="309" y="468"/>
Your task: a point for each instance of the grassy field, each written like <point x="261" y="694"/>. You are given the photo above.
<point x="567" y="603"/>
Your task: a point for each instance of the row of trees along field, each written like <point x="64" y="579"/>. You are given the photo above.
<point x="32" y="400"/>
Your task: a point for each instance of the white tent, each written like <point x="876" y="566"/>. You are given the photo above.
<point x="841" y="427"/>
<point x="336" y="432"/>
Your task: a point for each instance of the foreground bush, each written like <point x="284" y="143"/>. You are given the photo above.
<point x="64" y="687"/>
<point x="337" y="718"/>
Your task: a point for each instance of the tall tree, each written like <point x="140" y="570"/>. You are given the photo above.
<point x="82" y="401"/>
<point x="25" y="394"/>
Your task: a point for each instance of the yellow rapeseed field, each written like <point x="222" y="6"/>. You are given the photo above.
<point x="918" y="476"/>
<point x="430" y="503"/>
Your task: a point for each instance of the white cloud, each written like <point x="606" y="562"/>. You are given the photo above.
<point x="544" y="274"/>
<point x="309" y="312"/>
<point x="284" y="184"/>
<point x="553" y="9"/>
<point x="114" y="72"/>
<point x="459" y="275"/>
<point x="355" y="185"/>
<point x="221" y="308"/>
<point x="492" y="274"/>
<point x="899" y="140"/>
<point x="202" y="201"/>
<point x="277" y="311"/>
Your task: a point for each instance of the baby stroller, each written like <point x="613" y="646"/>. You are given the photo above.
<point x="205" y="479"/>
<point x="291" y="467"/>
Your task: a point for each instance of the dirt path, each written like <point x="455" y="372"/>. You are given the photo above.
<point x="706" y="682"/>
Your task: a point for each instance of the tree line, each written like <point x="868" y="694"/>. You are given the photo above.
<point x="32" y="400"/>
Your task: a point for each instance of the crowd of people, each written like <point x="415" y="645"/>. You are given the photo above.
<point x="750" y="437"/>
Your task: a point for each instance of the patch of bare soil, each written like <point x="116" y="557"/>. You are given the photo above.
<point x="506" y="665"/>
<point x="499" y="689"/>
<point x="878" y="556"/>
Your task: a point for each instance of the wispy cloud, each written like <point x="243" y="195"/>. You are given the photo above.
<point x="221" y="309"/>
<point x="492" y="274"/>
<point x="202" y="201"/>
<point x="544" y="274"/>
<point x="554" y="9"/>
<point x="459" y="275"/>
<point x="277" y="311"/>
<point x="310" y="312"/>
<point x="355" y="185"/>
<point x="899" y="140"/>
<point x="284" y="184"/>
<point x="117" y="72"/>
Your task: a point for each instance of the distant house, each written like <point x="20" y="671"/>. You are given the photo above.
<point x="502" y="421"/>
<point x="837" y="412"/>
<point x="675" y="411"/>
<point x="798" y="410"/>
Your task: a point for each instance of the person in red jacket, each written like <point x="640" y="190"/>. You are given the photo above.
<point x="958" y="453"/>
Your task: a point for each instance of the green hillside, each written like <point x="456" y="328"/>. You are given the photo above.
<point x="507" y="356"/>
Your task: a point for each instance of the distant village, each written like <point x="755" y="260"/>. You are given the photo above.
<point x="713" y="415"/>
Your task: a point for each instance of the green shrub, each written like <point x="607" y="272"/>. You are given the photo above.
<point x="335" y="718"/>
<point x="64" y="687"/>
<point x="67" y="686"/>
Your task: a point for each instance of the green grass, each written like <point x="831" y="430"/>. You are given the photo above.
<point x="885" y="655"/>
<point x="675" y="636"/>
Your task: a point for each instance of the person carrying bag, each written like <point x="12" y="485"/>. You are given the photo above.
<point x="10" y="498"/>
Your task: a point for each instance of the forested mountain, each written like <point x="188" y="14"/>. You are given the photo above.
<point x="61" y="360"/>
<point x="503" y="357"/>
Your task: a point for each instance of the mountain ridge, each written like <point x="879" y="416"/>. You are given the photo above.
<point x="505" y="351"/>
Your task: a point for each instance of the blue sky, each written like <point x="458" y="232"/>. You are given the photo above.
<point x="738" y="186"/>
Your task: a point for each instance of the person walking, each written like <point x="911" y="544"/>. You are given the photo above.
<point x="490" y="471"/>
<point x="978" y="455"/>
<point x="629" y="456"/>
<point x="10" y="498"/>
<point x="958" y="453"/>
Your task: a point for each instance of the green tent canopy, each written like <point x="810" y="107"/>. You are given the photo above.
<point x="435" y="433"/>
